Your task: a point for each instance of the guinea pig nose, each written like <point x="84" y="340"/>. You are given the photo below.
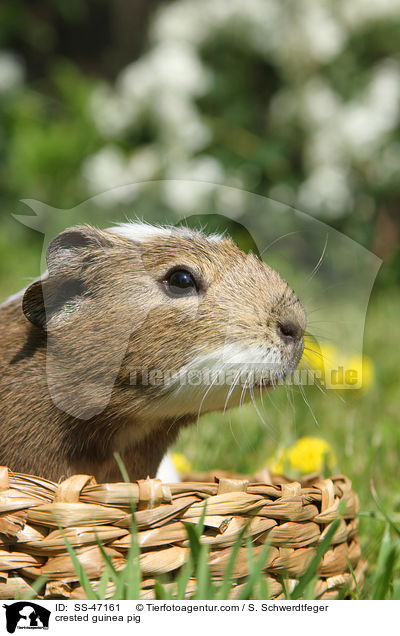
<point x="289" y="330"/>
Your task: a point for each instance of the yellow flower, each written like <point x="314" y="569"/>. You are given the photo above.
<point x="364" y="367"/>
<point x="181" y="463"/>
<point x="307" y="455"/>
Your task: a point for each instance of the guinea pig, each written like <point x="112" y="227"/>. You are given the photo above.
<point x="125" y="339"/>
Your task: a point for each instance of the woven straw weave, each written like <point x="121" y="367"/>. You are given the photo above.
<point x="292" y="516"/>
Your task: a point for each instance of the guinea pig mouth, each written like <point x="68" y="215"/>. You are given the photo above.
<point x="270" y="378"/>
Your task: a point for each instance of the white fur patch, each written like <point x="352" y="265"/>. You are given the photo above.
<point x="212" y="379"/>
<point x="167" y="471"/>
<point x="234" y="353"/>
<point x="240" y="357"/>
<point x="141" y="232"/>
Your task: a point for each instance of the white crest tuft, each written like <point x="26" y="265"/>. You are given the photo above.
<point x="140" y="232"/>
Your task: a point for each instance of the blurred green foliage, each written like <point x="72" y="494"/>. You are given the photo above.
<point x="46" y="132"/>
<point x="256" y="110"/>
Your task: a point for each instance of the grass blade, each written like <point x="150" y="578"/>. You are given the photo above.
<point x="307" y="577"/>
<point x="256" y="573"/>
<point x="83" y="577"/>
<point x="383" y="575"/>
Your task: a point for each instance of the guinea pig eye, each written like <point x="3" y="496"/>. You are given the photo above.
<point x="181" y="283"/>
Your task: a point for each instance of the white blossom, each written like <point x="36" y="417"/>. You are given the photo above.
<point x="231" y="200"/>
<point x="180" y="21"/>
<point x="105" y="170"/>
<point x="112" y="113"/>
<point x="12" y="72"/>
<point x="179" y="122"/>
<point x="318" y="103"/>
<point x="305" y="33"/>
<point x="110" y="168"/>
<point x="144" y="164"/>
<point x="282" y="192"/>
<point x="326" y="190"/>
<point x="358" y="12"/>
<point x="297" y="39"/>
<point x="323" y="33"/>
<point x="171" y="66"/>
<point x="180" y="192"/>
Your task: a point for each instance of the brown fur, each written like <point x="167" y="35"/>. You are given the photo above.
<point x="66" y="398"/>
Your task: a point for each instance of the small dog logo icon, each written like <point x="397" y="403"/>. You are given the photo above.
<point x="26" y="615"/>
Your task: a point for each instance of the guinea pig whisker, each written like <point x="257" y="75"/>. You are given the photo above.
<point x="269" y="396"/>
<point x="276" y="241"/>
<point x="321" y="259"/>
<point x="233" y="434"/>
<point x="261" y="394"/>
<point x="204" y="397"/>
<point x="320" y="355"/>
<point x="303" y="393"/>
<point x="319" y="336"/>
<point x="174" y="421"/>
<point x="306" y="359"/>
<point x="317" y="381"/>
<point x="321" y="385"/>
<point x="231" y="389"/>
<point x="289" y="397"/>
<point x="256" y="407"/>
<point x="244" y="390"/>
<point x="262" y="398"/>
<point x="308" y="362"/>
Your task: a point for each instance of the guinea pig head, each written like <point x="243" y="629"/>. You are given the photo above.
<point x="220" y="322"/>
<point x="157" y="323"/>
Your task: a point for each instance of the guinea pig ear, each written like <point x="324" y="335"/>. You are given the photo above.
<point x="72" y="243"/>
<point x="33" y="305"/>
<point x="44" y="298"/>
<point x="62" y="286"/>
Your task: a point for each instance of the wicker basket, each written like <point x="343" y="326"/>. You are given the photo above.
<point x="292" y="516"/>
